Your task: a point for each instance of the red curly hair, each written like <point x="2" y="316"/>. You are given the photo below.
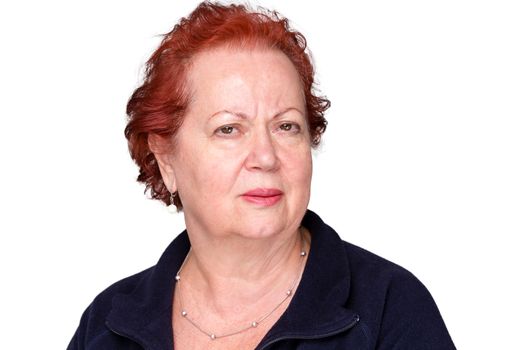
<point x="159" y="104"/>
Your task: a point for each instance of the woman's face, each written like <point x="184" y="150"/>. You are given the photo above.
<point x="241" y="160"/>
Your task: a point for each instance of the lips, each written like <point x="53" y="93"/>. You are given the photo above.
<point x="263" y="196"/>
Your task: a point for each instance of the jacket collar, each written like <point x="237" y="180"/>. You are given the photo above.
<point x="145" y="315"/>
<point x="317" y="308"/>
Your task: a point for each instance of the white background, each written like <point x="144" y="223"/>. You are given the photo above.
<point x="423" y="161"/>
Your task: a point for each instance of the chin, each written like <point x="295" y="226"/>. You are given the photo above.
<point x="264" y="226"/>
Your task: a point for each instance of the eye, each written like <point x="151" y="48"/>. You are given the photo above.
<point x="228" y="129"/>
<point x="289" y="127"/>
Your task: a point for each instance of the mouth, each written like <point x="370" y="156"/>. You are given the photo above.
<point x="265" y="197"/>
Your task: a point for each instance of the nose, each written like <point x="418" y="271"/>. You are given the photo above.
<point x="262" y="152"/>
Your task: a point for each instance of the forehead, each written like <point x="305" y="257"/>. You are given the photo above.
<point x="248" y="74"/>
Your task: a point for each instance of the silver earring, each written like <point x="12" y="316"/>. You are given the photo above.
<point x="172" y="208"/>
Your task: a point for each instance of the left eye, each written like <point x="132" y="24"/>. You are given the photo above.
<point x="288" y="126"/>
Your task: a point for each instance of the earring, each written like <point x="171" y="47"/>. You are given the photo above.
<point x="172" y="208"/>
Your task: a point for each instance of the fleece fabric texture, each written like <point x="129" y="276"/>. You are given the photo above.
<point x="348" y="298"/>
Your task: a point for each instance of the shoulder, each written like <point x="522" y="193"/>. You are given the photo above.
<point x="372" y="278"/>
<point x="396" y="309"/>
<point x="376" y="281"/>
<point x="368" y="267"/>
<point x="93" y="320"/>
<point x="103" y="302"/>
<point x="365" y="270"/>
<point x="128" y="305"/>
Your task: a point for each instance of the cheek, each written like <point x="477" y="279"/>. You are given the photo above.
<point x="305" y="174"/>
<point x="298" y="165"/>
<point x="214" y="173"/>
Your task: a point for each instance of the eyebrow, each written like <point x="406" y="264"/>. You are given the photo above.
<point x="237" y="114"/>
<point x="244" y="116"/>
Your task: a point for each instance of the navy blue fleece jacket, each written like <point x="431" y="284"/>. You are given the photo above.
<point x="348" y="298"/>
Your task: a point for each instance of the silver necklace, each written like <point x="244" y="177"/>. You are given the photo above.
<point x="212" y="335"/>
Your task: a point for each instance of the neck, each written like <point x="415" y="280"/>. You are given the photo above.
<point x="233" y="270"/>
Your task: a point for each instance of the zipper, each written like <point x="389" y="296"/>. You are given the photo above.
<point x="306" y="337"/>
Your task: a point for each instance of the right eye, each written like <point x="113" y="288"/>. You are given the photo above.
<point x="228" y="129"/>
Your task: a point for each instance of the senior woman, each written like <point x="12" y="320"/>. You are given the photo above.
<point x="222" y="128"/>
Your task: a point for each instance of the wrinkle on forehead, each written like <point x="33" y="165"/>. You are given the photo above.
<point x="245" y="81"/>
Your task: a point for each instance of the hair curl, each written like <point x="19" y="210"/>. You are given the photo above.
<point x="159" y="104"/>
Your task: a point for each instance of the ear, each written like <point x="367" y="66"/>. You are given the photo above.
<point x="160" y="146"/>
